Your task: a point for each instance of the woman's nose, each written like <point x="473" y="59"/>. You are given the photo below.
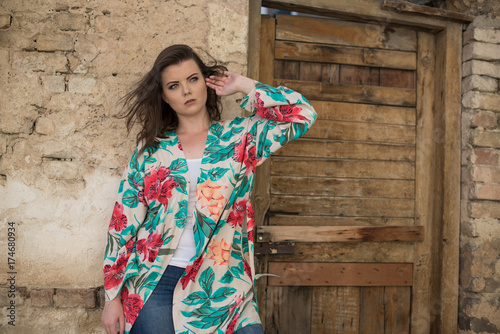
<point x="185" y="89"/>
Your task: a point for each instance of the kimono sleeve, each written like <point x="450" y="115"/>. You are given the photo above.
<point x="128" y="214"/>
<point x="279" y="115"/>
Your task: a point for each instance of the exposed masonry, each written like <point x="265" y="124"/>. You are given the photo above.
<point x="63" y="68"/>
<point x="479" y="309"/>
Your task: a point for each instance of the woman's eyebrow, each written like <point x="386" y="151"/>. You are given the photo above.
<point x="189" y="77"/>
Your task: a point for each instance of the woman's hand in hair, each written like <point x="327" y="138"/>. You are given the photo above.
<point x="230" y="83"/>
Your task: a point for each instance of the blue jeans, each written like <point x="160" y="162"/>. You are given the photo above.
<point x="156" y="315"/>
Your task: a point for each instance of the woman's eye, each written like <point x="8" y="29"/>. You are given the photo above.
<point x="173" y="86"/>
<point x="194" y="79"/>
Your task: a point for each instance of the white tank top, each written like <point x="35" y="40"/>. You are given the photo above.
<point x="186" y="248"/>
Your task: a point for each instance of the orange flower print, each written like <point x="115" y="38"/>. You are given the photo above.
<point x="209" y="194"/>
<point x="219" y="251"/>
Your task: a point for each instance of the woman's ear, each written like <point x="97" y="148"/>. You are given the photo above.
<point x="164" y="98"/>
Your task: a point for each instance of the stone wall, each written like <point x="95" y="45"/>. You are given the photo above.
<point x="63" y="67"/>
<point x="479" y="309"/>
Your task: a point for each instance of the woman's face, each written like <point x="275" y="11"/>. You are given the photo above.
<point x="184" y="89"/>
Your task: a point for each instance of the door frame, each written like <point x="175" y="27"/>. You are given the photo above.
<point x="437" y="313"/>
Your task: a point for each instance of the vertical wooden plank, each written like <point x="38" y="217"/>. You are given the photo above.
<point x="335" y="310"/>
<point x="295" y="313"/>
<point x="451" y="83"/>
<point x="359" y="75"/>
<point x="310" y="71"/>
<point x="397" y="78"/>
<point x="425" y="181"/>
<point x="253" y="53"/>
<point x="287" y="69"/>
<point x="260" y="194"/>
<point x="330" y="73"/>
<point x="397" y="309"/>
<point x="272" y="315"/>
<point x="372" y="310"/>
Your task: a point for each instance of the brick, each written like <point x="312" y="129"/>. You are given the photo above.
<point x="486" y="138"/>
<point x="479" y="50"/>
<point x="75" y="298"/>
<point x="5" y="21"/>
<point x="55" y="42"/>
<point x="488" y="174"/>
<point x="481" y="67"/>
<point x="85" y="50"/>
<point x="487" y="120"/>
<point x="71" y="22"/>
<point x="477" y="100"/>
<point x="486" y="191"/>
<point x="485" y="209"/>
<point x="61" y="170"/>
<point x="44" y="126"/>
<point x="42" y="297"/>
<point x="480" y="83"/>
<point x="39" y="62"/>
<point x="81" y="85"/>
<point x="482" y="156"/>
<point x="54" y="83"/>
<point x="487" y="35"/>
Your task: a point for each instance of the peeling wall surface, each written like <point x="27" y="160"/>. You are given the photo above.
<point x="63" y="68"/>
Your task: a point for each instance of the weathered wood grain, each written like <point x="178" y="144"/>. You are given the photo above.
<point x="311" y="233"/>
<point x="340" y="54"/>
<point x="397" y="309"/>
<point x="348" y="187"/>
<point x="372" y="310"/>
<point x="352" y="93"/>
<point x="359" y="75"/>
<point x="357" y="131"/>
<point x="340" y="274"/>
<point x="317" y="148"/>
<point x="371" y="113"/>
<point x="397" y="78"/>
<point x="327" y="31"/>
<point x="371" y="169"/>
<point x="296" y="220"/>
<point x="343" y="206"/>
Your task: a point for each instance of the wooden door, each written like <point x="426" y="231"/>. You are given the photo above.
<point x="348" y="215"/>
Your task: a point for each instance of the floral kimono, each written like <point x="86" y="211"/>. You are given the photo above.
<point x="216" y="294"/>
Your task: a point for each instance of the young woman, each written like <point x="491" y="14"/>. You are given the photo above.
<point x="179" y="255"/>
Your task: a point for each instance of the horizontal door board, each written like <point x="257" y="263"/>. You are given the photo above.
<point x="341" y="54"/>
<point x="317" y="148"/>
<point x="340" y="130"/>
<point x="370" y="113"/>
<point x="343" y="206"/>
<point x="308" y="233"/>
<point x="397" y="78"/>
<point x="320" y="186"/>
<point x="349" y="252"/>
<point x="328" y="31"/>
<point x="372" y="169"/>
<point x="295" y="220"/>
<point x="352" y="93"/>
<point x="340" y="274"/>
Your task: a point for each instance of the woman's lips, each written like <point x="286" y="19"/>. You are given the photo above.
<point x="189" y="102"/>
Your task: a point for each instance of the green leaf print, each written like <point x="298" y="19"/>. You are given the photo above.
<point x="166" y="251"/>
<point x="227" y="278"/>
<point x="216" y="173"/>
<point x="130" y="198"/>
<point x="221" y="294"/>
<point x="180" y="216"/>
<point x="207" y="280"/>
<point x="196" y="298"/>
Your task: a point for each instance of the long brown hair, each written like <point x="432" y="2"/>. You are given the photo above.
<point x="144" y="103"/>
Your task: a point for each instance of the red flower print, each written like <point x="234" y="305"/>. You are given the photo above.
<point x="248" y="271"/>
<point x="150" y="247"/>
<point x="166" y="191"/>
<point x="157" y="186"/>
<point x="250" y="222"/>
<point x="118" y="220"/>
<point x="287" y="113"/>
<point x="179" y="146"/>
<point x="191" y="272"/>
<point x="251" y="159"/>
<point x="240" y="149"/>
<point x="113" y="275"/>
<point x="230" y="328"/>
<point x="132" y="305"/>
<point x="236" y="215"/>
